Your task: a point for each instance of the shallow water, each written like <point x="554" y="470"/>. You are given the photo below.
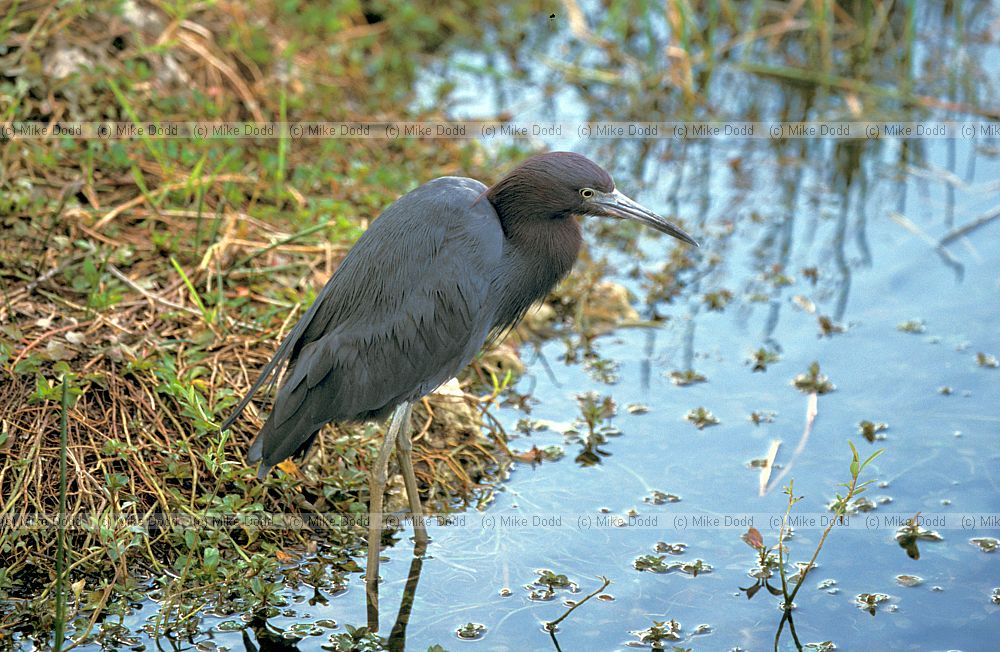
<point x="795" y="231"/>
<point x="941" y="456"/>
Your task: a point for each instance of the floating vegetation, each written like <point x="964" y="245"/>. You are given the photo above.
<point x="758" y="417"/>
<point x="801" y="569"/>
<point x="355" y="639"/>
<point x="536" y="595"/>
<point x="660" y="631"/>
<point x="909" y="581"/>
<point x="828" y="327"/>
<point x="913" y="326"/>
<point x="986" y="544"/>
<point x="536" y="455"/>
<point x="471" y="631"/>
<point x="603" y="370"/>
<point x="595" y="409"/>
<point x="825" y="646"/>
<point x="687" y="377"/>
<point x="637" y="408"/>
<point x="717" y="300"/>
<point x="805" y="303"/>
<point x="552" y="580"/>
<point x="763" y="574"/>
<point x="543" y="589"/>
<point x="670" y="548"/>
<point x="658" y="564"/>
<point x="526" y="426"/>
<point x="778" y="279"/>
<point x="813" y="382"/>
<point x="774" y="558"/>
<point x="763" y="357"/>
<point x="609" y="430"/>
<point x="553" y="452"/>
<point x="987" y="361"/>
<point x="657" y="497"/>
<point x="995" y="598"/>
<point x="595" y="412"/>
<point x="861" y="505"/>
<point x="829" y="585"/>
<point x="872" y="430"/>
<point x="701" y="418"/>
<point x="910" y="534"/>
<point x="753" y="538"/>
<point x="870" y="601"/>
<point x="651" y="563"/>
<point x="299" y="631"/>
<point x="945" y="390"/>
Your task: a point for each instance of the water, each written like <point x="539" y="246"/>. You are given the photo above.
<point x="940" y="454"/>
<point x="794" y="231"/>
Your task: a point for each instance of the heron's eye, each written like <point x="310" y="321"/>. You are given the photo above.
<point x="586" y="193"/>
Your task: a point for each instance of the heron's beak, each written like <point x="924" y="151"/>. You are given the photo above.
<point x="616" y="204"/>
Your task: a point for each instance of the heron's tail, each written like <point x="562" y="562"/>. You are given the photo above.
<point x="256" y="453"/>
<point x="271" y="447"/>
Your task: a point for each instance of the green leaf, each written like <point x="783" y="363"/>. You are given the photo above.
<point x="872" y="457"/>
<point x="211" y="559"/>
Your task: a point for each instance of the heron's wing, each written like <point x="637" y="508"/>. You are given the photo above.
<point x="272" y="369"/>
<point x="406" y="310"/>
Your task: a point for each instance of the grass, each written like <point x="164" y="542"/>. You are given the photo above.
<point x="60" y="581"/>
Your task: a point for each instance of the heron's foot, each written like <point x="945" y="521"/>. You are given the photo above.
<point x="420" y="537"/>
<point x="371" y="595"/>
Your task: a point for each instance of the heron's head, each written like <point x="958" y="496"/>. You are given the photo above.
<point x="561" y="184"/>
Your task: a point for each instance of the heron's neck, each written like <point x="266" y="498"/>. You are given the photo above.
<point x="538" y="253"/>
<point x="545" y="240"/>
<point x="547" y="246"/>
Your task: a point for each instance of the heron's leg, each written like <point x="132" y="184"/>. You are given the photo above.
<point x="376" y="488"/>
<point x="404" y="453"/>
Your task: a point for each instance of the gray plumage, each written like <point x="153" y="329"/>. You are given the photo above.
<point x="444" y="269"/>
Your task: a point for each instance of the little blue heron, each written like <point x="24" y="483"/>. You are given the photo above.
<point x="446" y="268"/>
